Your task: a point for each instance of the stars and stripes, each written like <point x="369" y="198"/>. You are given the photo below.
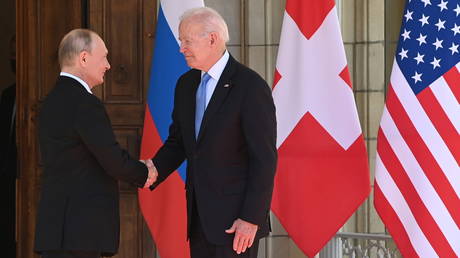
<point x="429" y="31"/>
<point x="417" y="181"/>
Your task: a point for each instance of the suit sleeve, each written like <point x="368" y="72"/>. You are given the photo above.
<point x="93" y="126"/>
<point x="172" y="153"/>
<point x="259" y="128"/>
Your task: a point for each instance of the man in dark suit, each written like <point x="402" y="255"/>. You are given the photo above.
<point x="224" y="125"/>
<point x="8" y="170"/>
<point x="8" y="161"/>
<point x="78" y="214"/>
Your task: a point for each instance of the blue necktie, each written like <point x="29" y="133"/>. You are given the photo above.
<point x="200" y="103"/>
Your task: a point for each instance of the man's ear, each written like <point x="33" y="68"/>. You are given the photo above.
<point x="213" y="36"/>
<point x="82" y="58"/>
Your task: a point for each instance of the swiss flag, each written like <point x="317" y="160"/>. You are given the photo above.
<point x="322" y="175"/>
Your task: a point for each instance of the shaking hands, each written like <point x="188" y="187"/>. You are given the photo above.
<point x="153" y="173"/>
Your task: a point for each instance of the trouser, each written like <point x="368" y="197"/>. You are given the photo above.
<point x="200" y="247"/>
<point x="70" y="254"/>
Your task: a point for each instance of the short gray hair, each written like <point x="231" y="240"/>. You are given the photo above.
<point x="73" y="43"/>
<point x="209" y="18"/>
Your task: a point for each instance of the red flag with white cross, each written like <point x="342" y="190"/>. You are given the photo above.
<point x="322" y="175"/>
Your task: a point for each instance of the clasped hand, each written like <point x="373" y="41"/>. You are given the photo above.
<point x="153" y="173"/>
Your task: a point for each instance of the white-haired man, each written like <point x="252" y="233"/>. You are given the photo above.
<point x="78" y="214"/>
<point x="224" y="125"/>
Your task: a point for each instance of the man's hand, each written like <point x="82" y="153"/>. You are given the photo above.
<point x="245" y="233"/>
<point x="153" y="173"/>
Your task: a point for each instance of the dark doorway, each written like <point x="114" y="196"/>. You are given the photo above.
<point x="127" y="27"/>
<point x="8" y="153"/>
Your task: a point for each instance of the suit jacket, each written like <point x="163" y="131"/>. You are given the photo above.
<point x="79" y="206"/>
<point x="8" y="152"/>
<point x="231" y="166"/>
<point x="8" y="159"/>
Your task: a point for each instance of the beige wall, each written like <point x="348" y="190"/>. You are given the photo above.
<point x="370" y="31"/>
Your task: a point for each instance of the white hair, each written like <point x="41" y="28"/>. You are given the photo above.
<point x="73" y="43"/>
<point x="211" y="20"/>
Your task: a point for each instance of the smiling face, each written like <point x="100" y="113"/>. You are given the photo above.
<point x="95" y="63"/>
<point x="197" y="46"/>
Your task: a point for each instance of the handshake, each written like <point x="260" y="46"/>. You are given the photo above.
<point x="153" y="173"/>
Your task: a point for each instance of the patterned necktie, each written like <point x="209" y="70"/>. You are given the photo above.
<point x="200" y="103"/>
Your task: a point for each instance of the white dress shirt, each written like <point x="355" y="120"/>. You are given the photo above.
<point x="215" y="72"/>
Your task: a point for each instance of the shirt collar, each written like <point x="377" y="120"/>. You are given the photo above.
<point x="218" y="68"/>
<point x="79" y="80"/>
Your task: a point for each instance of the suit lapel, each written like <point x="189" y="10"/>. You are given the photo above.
<point x="191" y="105"/>
<point x="221" y="91"/>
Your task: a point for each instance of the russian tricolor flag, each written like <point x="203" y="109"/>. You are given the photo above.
<point x="164" y="209"/>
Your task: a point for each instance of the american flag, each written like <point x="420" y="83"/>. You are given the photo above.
<point x="417" y="181"/>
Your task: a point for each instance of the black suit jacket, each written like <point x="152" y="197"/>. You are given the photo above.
<point x="79" y="206"/>
<point x="231" y="166"/>
<point x="8" y="152"/>
<point x="8" y="159"/>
